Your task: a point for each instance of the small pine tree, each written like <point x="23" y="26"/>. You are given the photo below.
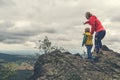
<point x="46" y="46"/>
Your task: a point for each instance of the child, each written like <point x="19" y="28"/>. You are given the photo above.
<point x="87" y="41"/>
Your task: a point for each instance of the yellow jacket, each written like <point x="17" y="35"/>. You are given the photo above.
<point x="87" y="40"/>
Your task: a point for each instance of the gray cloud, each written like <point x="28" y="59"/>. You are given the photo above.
<point x="50" y="31"/>
<point x="10" y="33"/>
<point x="116" y="18"/>
<point x="6" y="3"/>
<point x="60" y="20"/>
<point x="3" y="2"/>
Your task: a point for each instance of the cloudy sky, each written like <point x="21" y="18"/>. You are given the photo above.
<point x="24" y="22"/>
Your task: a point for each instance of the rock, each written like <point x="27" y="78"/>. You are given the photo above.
<point x="66" y="66"/>
<point x="105" y="48"/>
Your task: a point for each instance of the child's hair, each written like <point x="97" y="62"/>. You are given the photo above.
<point x="87" y="29"/>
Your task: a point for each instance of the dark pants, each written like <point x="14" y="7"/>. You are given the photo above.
<point x="98" y="37"/>
<point x="89" y="54"/>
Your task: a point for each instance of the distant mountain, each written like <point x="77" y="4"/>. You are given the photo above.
<point x="12" y="57"/>
<point x="19" y="52"/>
<point x="66" y="66"/>
<point x="23" y="65"/>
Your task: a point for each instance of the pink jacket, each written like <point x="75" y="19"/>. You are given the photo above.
<point x="95" y="24"/>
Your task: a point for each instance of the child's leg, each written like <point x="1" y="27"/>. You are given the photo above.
<point x="89" y="51"/>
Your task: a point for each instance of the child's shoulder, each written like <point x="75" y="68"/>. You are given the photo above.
<point x="88" y="33"/>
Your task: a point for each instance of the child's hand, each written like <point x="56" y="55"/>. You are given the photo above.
<point x="82" y="45"/>
<point x="83" y="33"/>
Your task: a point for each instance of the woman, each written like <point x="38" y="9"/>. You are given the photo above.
<point x="97" y="27"/>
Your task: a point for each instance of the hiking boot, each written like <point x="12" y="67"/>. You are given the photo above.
<point x="100" y="51"/>
<point x="94" y="53"/>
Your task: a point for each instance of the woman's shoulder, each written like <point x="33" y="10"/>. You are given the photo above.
<point x="93" y="17"/>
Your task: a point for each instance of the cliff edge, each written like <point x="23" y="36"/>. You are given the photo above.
<point x="66" y="66"/>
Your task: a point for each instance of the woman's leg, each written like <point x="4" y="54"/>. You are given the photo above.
<point x="98" y="37"/>
<point x="96" y="43"/>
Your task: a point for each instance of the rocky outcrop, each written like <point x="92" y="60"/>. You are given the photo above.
<point x="105" y="48"/>
<point x="66" y="66"/>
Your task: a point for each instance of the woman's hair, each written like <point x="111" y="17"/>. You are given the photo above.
<point x="87" y="29"/>
<point x="88" y="15"/>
